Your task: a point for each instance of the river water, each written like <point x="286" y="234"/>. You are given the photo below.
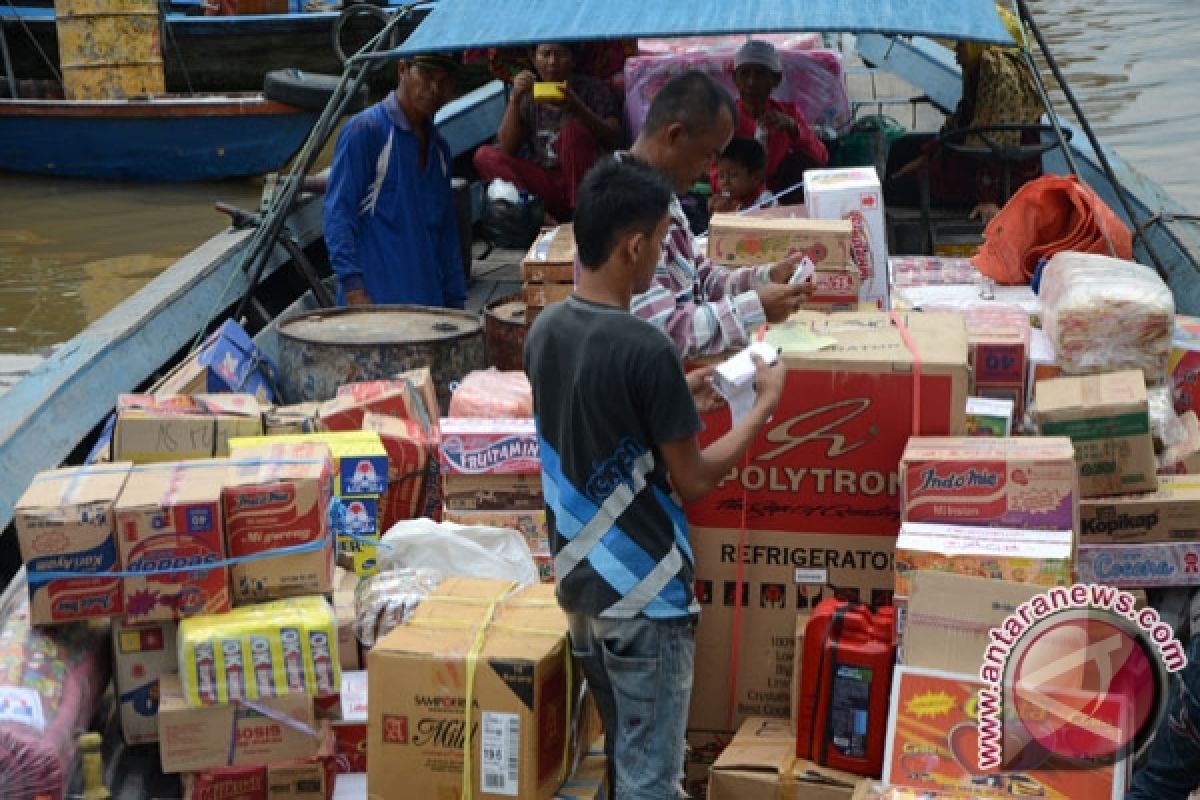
<point x="71" y="250"/>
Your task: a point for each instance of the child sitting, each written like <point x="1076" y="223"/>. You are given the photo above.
<point x="741" y="176"/>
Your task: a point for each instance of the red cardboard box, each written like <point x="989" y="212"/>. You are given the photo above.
<point x="396" y="398"/>
<point x="472" y="446"/>
<point x="170" y="515"/>
<point x="409" y="447"/>
<point x="828" y="461"/>
<point x="350" y="731"/>
<point x="301" y="779"/>
<point x="933" y="745"/>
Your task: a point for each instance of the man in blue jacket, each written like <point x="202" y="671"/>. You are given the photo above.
<point x="389" y="215"/>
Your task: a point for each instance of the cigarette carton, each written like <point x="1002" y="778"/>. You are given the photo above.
<point x="1107" y="418"/>
<point x="741" y="241"/>
<point x="1022" y="482"/>
<point x="493" y="492"/>
<point x="168" y="517"/>
<point x="532" y="524"/>
<point x="989" y="417"/>
<point x="65" y="524"/>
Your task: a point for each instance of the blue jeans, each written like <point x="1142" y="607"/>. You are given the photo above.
<point x="1172" y="769"/>
<point x="640" y="672"/>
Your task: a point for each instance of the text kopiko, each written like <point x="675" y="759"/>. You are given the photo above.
<point x="1040" y="607"/>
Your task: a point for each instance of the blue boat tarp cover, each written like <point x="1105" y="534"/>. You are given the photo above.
<point x="464" y="24"/>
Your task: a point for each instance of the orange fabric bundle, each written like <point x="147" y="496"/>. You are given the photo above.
<point x="1049" y="215"/>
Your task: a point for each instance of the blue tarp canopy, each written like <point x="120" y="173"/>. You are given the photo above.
<point x="464" y="24"/>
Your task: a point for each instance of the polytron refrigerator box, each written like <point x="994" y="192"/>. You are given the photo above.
<point x="933" y="745"/>
<point x="277" y="496"/>
<point x="1019" y="482"/>
<point x="65" y="523"/>
<point x="1108" y="421"/>
<point x="170" y="527"/>
<point x="854" y="194"/>
<point x="419" y="715"/>
<point x="141" y="654"/>
<point x="1170" y="514"/>
<point x="156" y="428"/>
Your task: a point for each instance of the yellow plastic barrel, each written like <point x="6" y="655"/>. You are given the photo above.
<point x="109" y="49"/>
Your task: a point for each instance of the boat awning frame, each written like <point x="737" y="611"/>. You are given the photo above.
<point x="454" y="25"/>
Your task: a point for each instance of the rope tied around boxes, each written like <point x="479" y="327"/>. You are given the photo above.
<point x="915" y="353"/>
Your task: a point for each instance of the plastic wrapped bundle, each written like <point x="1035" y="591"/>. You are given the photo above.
<point x="1106" y="315"/>
<point x="385" y="601"/>
<point x="492" y="394"/>
<point x="50" y="681"/>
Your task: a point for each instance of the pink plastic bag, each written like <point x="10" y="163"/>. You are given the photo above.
<point x="492" y="394"/>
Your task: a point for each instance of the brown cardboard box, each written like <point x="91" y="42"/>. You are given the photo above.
<point x="194" y="739"/>
<point x="784" y="573"/>
<point x="741" y="240"/>
<point x="531" y="524"/>
<point x="167" y="515"/>
<point x="493" y="492"/>
<point x="589" y="781"/>
<point x="419" y="711"/>
<point x="760" y="764"/>
<point x="409" y="447"/>
<point x="540" y="295"/>
<point x="703" y="748"/>
<point x="65" y="522"/>
<point x="551" y="257"/>
<point x="152" y="429"/>
<point x="948" y="618"/>
<point x="301" y="779"/>
<point x="141" y="653"/>
<point x="1107" y="419"/>
<point x="422" y="381"/>
<point x="275" y="496"/>
<point x="284" y="420"/>
<point x="344" y="585"/>
<point x="802" y="620"/>
<point x="1170" y="514"/>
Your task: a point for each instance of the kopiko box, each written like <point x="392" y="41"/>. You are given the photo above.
<point x="784" y="573"/>
<point x="854" y="194"/>
<point x="360" y="463"/>
<point x="1170" y="514"/>
<point x="65" y="524"/>
<point x="933" y="745"/>
<point x="193" y="739"/>
<point x="154" y="428"/>
<point x="1140" y="565"/>
<point x="473" y="446"/>
<point x="141" y="654"/>
<point x="827" y="460"/>
<point x="350" y="730"/>
<point x="1038" y="557"/>
<point x="228" y="361"/>
<point x="420" y="715"/>
<point x="169" y="526"/>
<point x="1108" y="421"/>
<point x="760" y="764"/>
<point x="277" y="496"/>
<point x="1021" y="482"/>
<point x="410" y="446"/>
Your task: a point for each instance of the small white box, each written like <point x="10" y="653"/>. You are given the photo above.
<point x="736" y="374"/>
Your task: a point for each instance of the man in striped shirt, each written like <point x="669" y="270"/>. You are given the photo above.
<point x="704" y="308"/>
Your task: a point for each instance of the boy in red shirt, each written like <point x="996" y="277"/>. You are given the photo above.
<point x="741" y="170"/>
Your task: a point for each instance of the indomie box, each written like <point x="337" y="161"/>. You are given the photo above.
<point x="1108" y="421"/>
<point x="421" y="714"/>
<point x="141" y="654"/>
<point x="169" y="525"/>
<point x="277" y="496"/>
<point x="1022" y="482"/>
<point x="65" y="524"/>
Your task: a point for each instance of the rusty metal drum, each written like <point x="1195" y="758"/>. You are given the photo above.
<point x="504" y="329"/>
<point x="321" y="350"/>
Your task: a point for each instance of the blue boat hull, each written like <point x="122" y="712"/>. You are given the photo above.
<point x="155" y="141"/>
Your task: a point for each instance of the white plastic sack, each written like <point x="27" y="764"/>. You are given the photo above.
<point x="472" y="551"/>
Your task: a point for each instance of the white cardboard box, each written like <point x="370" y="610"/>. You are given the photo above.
<point x="855" y="194"/>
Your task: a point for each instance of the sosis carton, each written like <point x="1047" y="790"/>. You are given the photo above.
<point x="513" y="726"/>
<point x="934" y="739"/>
<point x="277" y="496"/>
<point x="169" y="526"/>
<point x="141" y="654"/>
<point x="1023" y="482"/>
<point x="65" y="524"/>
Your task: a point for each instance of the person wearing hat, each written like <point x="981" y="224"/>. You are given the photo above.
<point x="545" y="146"/>
<point x="779" y="127"/>
<point x="390" y="224"/>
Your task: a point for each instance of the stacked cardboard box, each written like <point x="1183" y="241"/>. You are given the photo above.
<point x="154" y="428"/>
<point x="548" y="270"/>
<point x="854" y="195"/>
<point x="490" y="465"/>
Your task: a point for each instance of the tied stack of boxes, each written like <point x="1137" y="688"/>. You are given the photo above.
<point x="548" y="270"/>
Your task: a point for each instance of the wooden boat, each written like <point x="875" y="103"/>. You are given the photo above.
<point x="202" y="53"/>
<point x="169" y="138"/>
<point x="50" y="416"/>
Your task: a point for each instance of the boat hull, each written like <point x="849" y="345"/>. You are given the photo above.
<point x="159" y="140"/>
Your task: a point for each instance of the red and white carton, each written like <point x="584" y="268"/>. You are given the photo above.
<point x="1028" y="482"/>
<point x="827" y="460"/>
<point x="350" y="730"/>
<point x="141" y="654"/>
<point x="472" y="446"/>
<point x="277" y="496"/>
<point x="854" y="194"/>
<point x="168" y="516"/>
